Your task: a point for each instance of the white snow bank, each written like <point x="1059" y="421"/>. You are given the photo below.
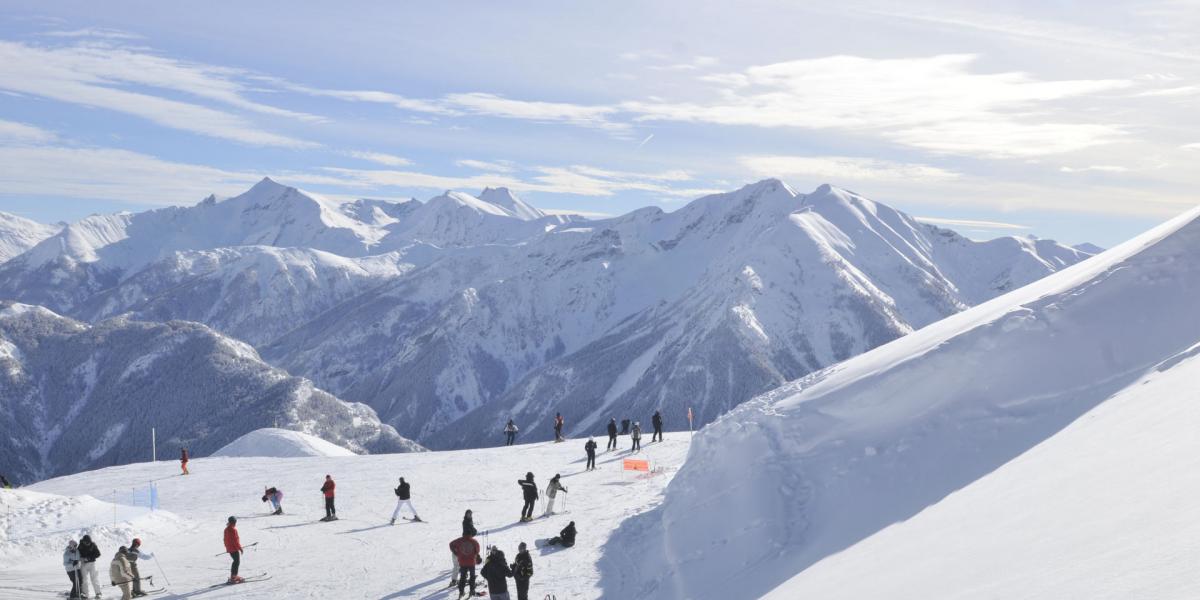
<point x="280" y="443"/>
<point x="818" y="466"/>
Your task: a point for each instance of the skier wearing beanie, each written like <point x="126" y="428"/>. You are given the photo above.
<point x="530" y="491"/>
<point x="233" y="545"/>
<point x="522" y="572"/>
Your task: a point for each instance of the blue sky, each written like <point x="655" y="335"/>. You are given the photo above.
<point x="1036" y="118"/>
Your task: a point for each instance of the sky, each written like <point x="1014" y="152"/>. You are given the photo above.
<point x="1073" y="121"/>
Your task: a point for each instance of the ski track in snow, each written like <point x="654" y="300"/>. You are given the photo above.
<point x="358" y="556"/>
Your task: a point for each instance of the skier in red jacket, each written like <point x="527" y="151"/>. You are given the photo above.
<point x="327" y="489"/>
<point x="467" y="551"/>
<point x="233" y="545"/>
<point x="183" y="458"/>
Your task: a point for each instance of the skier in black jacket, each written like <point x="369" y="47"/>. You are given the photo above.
<point x="566" y="537"/>
<point x="590" y="448"/>
<point x="656" y="420"/>
<point x="496" y="572"/>
<point x="88" y="554"/>
<point x="522" y="572"/>
<point x="529" y="488"/>
<point x="469" y="525"/>
<point x="403" y="498"/>
<point x="612" y="434"/>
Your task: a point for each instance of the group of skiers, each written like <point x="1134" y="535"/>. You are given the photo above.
<point x="635" y="434"/>
<point x="79" y="560"/>
<point x="465" y="557"/>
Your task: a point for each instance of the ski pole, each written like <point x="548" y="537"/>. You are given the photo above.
<point x="243" y="548"/>
<point x="160" y="570"/>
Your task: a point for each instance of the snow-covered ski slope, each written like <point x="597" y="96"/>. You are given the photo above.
<point x="1041" y="445"/>
<point x="271" y="442"/>
<point x="358" y="556"/>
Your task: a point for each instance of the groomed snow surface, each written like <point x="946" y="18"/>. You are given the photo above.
<point x="358" y="556"/>
<point x="1039" y="446"/>
<point x="280" y="443"/>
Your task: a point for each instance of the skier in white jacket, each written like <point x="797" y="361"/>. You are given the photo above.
<point x="71" y="561"/>
<point x="552" y="490"/>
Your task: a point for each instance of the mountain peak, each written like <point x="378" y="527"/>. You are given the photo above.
<point x="506" y="199"/>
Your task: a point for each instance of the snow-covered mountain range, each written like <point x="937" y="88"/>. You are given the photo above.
<point x="1040" y="445"/>
<point x="449" y="316"/>
<point x="78" y="396"/>
<point x="18" y="234"/>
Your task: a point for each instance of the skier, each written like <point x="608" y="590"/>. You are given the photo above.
<point x="636" y="436"/>
<point x="132" y="555"/>
<point x="466" y="551"/>
<point x="656" y="421"/>
<point x="552" y="490"/>
<point x="233" y="545"/>
<point x="120" y="575"/>
<point x="468" y="524"/>
<point x="71" y="561"/>
<point x="612" y="434"/>
<point x="558" y="425"/>
<point x="590" y="448"/>
<point x="510" y="433"/>
<point x="496" y="571"/>
<point x="4" y="483"/>
<point x="522" y="572"/>
<point x="327" y="489"/>
<point x="529" y="489"/>
<point x="89" y="552"/>
<point x="566" y="537"/>
<point x="276" y="498"/>
<point x="183" y="459"/>
<point x="403" y="499"/>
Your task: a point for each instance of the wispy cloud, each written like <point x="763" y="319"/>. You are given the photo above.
<point x="20" y="133"/>
<point x="1095" y="168"/>
<point x="95" y="75"/>
<point x="483" y="165"/>
<point x="1195" y="146"/>
<point x="93" y="33"/>
<point x="390" y="160"/>
<point x="843" y="169"/>
<point x="935" y="103"/>
<point x="973" y="223"/>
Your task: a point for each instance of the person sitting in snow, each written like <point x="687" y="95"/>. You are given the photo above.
<point x="566" y="537"/>
<point x="276" y="498"/>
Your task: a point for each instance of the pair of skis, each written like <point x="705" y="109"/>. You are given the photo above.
<point x="250" y="579"/>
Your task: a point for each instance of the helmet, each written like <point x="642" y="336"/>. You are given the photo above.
<point x="137" y="542"/>
<point x="233" y="519"/>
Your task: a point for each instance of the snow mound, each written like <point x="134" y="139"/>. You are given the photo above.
<point x="811" y="470"/>
<point x="280" y="443"/>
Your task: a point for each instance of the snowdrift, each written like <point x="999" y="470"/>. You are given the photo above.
<point x="816" y="467"/>
<point x="280" y="443"/>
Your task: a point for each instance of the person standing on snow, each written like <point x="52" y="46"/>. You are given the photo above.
<point x="132" y="555"/>
<point x="233" y="545"/>
<point x="636" y="436"/>
<point x="403" y="492"/>
<point x="468" y="524"/>
<point x="466" y="551"/>
<point x="183" y="460"/>
<point x="327" y="489"/>
<point x="510" y="433"/>
<point x="530" y="491"/>
<point x="558" y="427"/>
<point x="590" y="448"/>
<point x="120" y="575"/>
<point x="552" y="490"/>
<point x="276" y="498"/>
<point x="5" y="483"/>
<point x="496" y="571"/>
<point x="89" y="553"/>
<point x="522" y="572"/>
<point x="656" y="421"/>
<point x="71" y="560"/>
<point x="612" y="434"/>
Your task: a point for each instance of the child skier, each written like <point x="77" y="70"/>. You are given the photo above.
<point x="522" y="572"/>
<point x="402" y="499"/>
<point x="233" y="545"/>
<point x="552" y="490"/>
<point x="328" y="490"/>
